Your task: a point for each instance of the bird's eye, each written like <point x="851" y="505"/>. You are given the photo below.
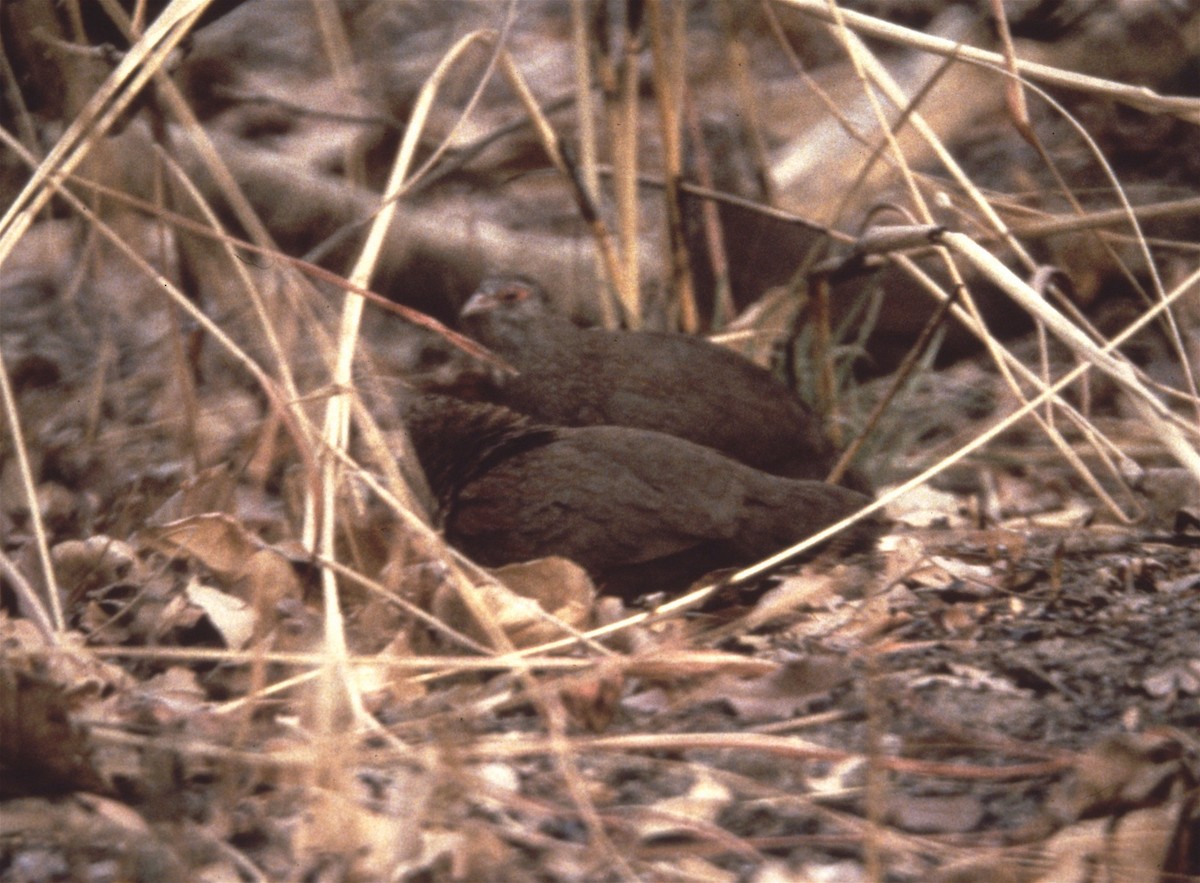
<point x="512" y="295"/>
<point x="432" y="357"/>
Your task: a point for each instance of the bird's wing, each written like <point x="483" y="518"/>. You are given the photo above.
<point x="695" y="389"/>
<point x="603" y="496"/>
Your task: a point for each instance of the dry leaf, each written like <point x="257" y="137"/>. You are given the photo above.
<point x="782" y="693"/>
<point x="591" y="699"/>
<point x="82" y="565"/>
<point x="524" y="603"/>
<point x="216" y="540"/>
<point x="333" y="824"/>
<point x="948" y="814"/>
<point x="680" y="815"/>
<point x="232" y="617"/>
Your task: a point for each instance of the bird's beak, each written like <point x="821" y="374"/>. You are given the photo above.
<point x="480" y="302"/>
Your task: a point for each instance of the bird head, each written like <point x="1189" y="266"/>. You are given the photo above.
<point x="509" y="314"/>
<point x="506" y="294"/>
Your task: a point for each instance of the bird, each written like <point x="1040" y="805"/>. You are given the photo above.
<point x="678" y="384"/>
<point x="639" y="510"/>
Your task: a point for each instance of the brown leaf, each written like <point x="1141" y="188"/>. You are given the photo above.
<point x="520" y="603"/>
<point x="591" y="699"/>
<point x="218" y="541"/>
<point x="949" y="814"/>
<point x="1125" y="773"/>
<point x="785" y="691"/>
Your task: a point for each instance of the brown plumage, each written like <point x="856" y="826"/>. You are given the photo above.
<point x="638" y="510"/>
<point x="679" y="384"/>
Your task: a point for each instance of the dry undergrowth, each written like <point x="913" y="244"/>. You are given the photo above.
<point x="232" y="647"/>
